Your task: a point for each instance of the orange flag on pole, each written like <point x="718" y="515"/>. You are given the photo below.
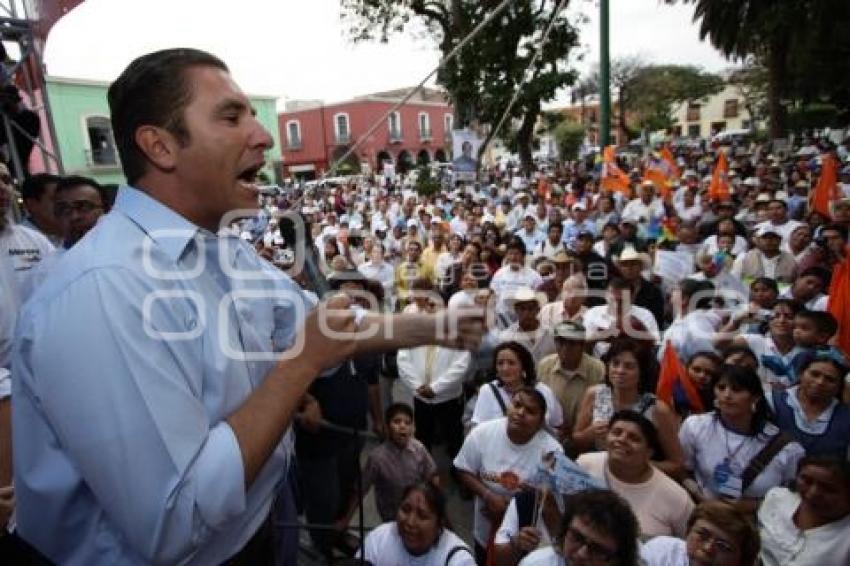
<point x="612" y="177"/>
<point x="839" y="302"/>
<point x="668" y="158"/>
<point x="659" y="178"/>
<point x="718" y="190"/>
<point x="826" y="191"/>
<point x="674" y="381"/>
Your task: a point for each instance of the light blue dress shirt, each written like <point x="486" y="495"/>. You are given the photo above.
<point x="127" y="361"/>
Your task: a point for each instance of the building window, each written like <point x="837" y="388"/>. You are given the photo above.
<point x="394" y="126"/>
<point x="101" y="150"/>
<point x="293" y="134"/>
<point x="746" y="124"/>
<point x="717" y="127"/>
<point x="342" y="128"/>
<point x="424" y="126"/>
<point x="448" y="125"/>
<point x="693" y="112"/>
<point x="693" y="130"/>
<point x="730" y="108"/>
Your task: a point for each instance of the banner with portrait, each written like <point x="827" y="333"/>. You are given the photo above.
<point x="465" y="144"/>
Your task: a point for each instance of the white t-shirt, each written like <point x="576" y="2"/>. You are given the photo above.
<point x="543" y="557"/>
<point x="506" y="281"/>
<point x="487" y="407"/>
<point x="23" y="249"/>
<point x="510" y="527"/>
<point x="706" y="443"/>
<point x="665" y="551"/>
<point x="783" y="544"/>
<point x="384" y="547"/>
<point x="488" y="453"/>
<point x="661" y="505"/>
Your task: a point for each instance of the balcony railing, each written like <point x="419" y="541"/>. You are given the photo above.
<point x="343" y="138"/>
<point x="395" y="136"/>
<point x="294" y="145"/>
<point x="425" y="135"/>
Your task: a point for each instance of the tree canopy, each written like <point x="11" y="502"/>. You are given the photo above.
<point x="803" y="44"/>
<point x="484" y="76"/>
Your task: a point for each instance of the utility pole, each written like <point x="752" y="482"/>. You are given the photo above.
<point x="604" y="77"/>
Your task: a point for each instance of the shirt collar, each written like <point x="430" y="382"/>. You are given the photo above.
<point x="170" y="231"/>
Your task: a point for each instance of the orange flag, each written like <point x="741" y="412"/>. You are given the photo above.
<point x="839" y="302"/>
<point x="673" y="373"/>
<point x="718" y="190"/>
<point x="826" y="191"/>
<point x="659" y="179"/>
<point x="668" y="158"/>
<point x="612" y="177"/>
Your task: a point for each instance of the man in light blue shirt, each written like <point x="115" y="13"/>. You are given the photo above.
<point x="151" y="418"/>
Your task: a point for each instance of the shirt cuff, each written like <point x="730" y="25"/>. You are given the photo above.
<point x="221" y="477"/>
<point x="5" y="383"/>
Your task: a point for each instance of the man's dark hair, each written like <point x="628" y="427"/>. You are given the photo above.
<point x="153" y="91"/>
<point x="398" y="409"/>
<point x="823" y="321"/>
<point x="838" y="228"/>
<point x="607" y="513"/>
<point x="817" y="271"/>
<point x="74" y="181"/>
<point x="647" y="429"/>
<point x="34" y="186"/>
<point x="695" y="287"/>
<point x="516" y="244"/>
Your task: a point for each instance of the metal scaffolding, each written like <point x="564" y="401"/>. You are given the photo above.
<point x="24" y="25"/>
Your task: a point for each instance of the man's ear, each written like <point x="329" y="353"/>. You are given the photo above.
<point x="159" y="146"/>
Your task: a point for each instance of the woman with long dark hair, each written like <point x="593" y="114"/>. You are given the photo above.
<point x="736" y="452"/>
<point x="628" y="385"/>
<point x="514" y="369"/>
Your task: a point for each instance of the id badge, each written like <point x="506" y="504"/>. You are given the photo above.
<point x="726" y="482"/>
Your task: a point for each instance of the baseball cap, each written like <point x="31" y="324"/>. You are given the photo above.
<point x="570" y="330"/>
<point x="767" y="229"/>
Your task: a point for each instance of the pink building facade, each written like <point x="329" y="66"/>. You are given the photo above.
<point x="314" y="136"/>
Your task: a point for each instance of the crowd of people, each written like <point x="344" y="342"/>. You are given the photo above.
<point x="683" y="349"/>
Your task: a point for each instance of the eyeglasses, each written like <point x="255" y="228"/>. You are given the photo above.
<point x="704" y="536"/>
<point x="595" y="551"/>
<point x="62" y="209"/>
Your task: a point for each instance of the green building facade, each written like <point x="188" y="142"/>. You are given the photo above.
<point x="86" y="145"/>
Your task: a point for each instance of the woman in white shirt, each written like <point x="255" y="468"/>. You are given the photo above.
<point x="720" y="447"/>
<point x="501" y="455"/>
<point x="514" y="369"/>
<point x="809" y="527"/>
<point x="419" y="535"/>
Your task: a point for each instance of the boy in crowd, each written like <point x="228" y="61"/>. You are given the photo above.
<point x="398" y="462"/>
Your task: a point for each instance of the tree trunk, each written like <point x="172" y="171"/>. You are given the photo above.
<point x="776" y="88"/>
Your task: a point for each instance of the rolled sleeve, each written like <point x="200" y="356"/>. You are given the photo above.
<point x="220" y="477"/>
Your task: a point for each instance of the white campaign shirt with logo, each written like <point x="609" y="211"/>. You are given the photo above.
<point x="23" y="248"/>
<point x="488" y="452"/>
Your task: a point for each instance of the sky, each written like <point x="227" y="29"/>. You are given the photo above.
<point x="297" y="49"/>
